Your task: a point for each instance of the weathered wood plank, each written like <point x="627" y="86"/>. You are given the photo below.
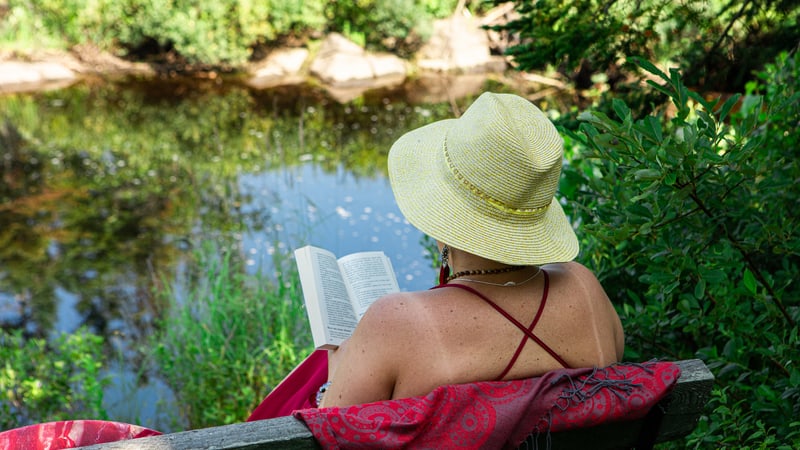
<point x="280" y="433"/>
<point x="685" y="404"/>
<point x="681" y="410"/>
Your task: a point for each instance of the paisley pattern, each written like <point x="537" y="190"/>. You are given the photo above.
<point x="496" y="414"/>
<point x="70" y="434"/>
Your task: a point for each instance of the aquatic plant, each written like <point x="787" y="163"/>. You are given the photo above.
<point x="226" y="341"/>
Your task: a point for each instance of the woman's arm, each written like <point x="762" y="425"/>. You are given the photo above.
<point x="364" y="368"/>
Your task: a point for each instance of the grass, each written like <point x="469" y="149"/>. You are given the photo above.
<point x="232" y="338"/>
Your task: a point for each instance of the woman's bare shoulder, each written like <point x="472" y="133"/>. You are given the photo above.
<point x="393" y="306"/>
<point x="386" y="317"/>
<point x="576" y="275"/>
<point x="581" y="286"/>
<point x="571" y="267"/>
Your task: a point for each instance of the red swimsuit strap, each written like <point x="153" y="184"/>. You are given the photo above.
<point x="528" y="331"/>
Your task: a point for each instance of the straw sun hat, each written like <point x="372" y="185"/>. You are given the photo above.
<point x="485" y="182"/>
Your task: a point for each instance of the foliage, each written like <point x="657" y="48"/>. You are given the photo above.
<point x="216" y="33"/>
<point x="206" y="32"/>
<point x="211" y="32"/>
<point x="723" y="38"/>
<point x="230" y="340"/>
<point x="688" y="216"/>
<point x="21" y="29"/>
<point x="43" y="381"/>
<point x="105" y="185"/>
<point x="399" y="26"/>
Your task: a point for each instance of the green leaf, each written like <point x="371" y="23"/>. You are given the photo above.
<point x="646" y="174"/>
<point x="749" y="281"/>
<point x="713" y="276"/>
<point x="700" y="289"/>
<point x="621" y="109"/>
<point x="660" y="88"/>
<point x="648" y="66"/>
<point x="655" y="127"/>
<point x="702" y="101"/>
<point x="639" y="210"/>
<point x="727" y="106"/>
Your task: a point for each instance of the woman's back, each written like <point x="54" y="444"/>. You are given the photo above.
<point x="418" y="341"/>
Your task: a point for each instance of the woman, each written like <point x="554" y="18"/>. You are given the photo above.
<point x="483" y="186"/>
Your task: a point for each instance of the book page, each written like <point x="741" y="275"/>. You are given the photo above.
<point x="369" y="276"/>
<point x="328" y="305"/>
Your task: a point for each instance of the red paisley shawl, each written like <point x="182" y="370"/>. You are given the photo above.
<point x="496" y="414"/>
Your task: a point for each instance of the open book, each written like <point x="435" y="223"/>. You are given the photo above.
<point x="338" y="292"/>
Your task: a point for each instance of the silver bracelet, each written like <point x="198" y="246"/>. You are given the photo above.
<point x="321" y="391"/>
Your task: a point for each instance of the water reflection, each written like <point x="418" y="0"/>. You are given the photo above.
<point x="334" y="210"/>
<point x="107" y="189"/>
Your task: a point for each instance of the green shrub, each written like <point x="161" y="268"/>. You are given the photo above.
<point x="717" y="43"/>
<point x="210" y="32"/>
<point x="21" y="28"/>
<point x="688" y="215"/>
<point x="232" y="338"/>
<point x="400" y="26"/>
<point x="44" y="381"/>
<point x="207" y="32"/>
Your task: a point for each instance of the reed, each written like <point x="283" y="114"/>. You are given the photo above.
<point x="225" y="343"/>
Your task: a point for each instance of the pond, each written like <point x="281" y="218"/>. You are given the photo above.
<point x="108" y="188"/>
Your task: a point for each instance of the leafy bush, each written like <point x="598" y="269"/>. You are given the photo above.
<point x="217" y="33"/>
<point x="208" y="32"/>
<point x="232" y="338"/>
<point x="717" y="43"/>
<point x="22" y="29"/>
<point x="44" y="381"/>
<point x="688" y="213"/>
<point x="211" y="32"/>
<point x="399" y="26"/>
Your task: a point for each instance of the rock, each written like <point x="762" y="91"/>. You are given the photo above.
<point x="458" y="44"/>
<point x="342" y="63"/>
<point x="281" y="67"/>
<point x="90" y="59"/>
<point x="18" y="76"/>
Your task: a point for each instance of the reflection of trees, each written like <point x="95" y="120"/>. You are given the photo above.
<point x="24" y="224"/>
<point x="67" y="230"/>
<point x="104" y="187"/>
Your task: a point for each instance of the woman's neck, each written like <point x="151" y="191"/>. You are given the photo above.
<point x="461" y="261"/>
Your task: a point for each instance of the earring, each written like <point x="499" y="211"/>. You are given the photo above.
<point x="444" y="270"/>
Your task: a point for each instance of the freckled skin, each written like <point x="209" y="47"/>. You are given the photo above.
<point x="409" y="343"/>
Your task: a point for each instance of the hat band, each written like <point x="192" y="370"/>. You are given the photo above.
<point x="482" y="195"/>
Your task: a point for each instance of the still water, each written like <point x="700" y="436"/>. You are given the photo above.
<point x="108" y="189"/>
<point x="336" y="211"/>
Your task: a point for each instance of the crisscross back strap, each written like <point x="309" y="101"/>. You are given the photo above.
<point x="528" y="331"/>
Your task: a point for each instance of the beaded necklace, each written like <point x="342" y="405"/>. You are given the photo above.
<point x="507" y="283"/>
<point x="483" y="272"/>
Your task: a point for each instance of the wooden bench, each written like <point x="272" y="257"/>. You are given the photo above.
<point x="673" y="418"/>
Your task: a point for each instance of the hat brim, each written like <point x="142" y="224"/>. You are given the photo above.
<point x="417" y="172"/>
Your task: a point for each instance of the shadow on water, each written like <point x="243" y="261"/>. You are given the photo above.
<point x="108" y="188"/>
